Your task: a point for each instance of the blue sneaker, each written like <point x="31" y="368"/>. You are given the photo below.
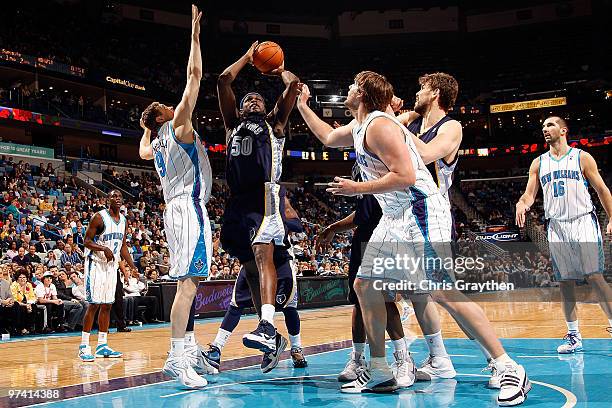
<point x="85" y="353"/>
<point x="103" y="351"/>
<point x="263" y="338"/>
<point x="573" y="343"/>
<point x="212" y="357"/>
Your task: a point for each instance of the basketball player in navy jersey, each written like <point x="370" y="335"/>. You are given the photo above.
<point x="247" y="294"/>
<point x="255" y="140"/>
<point x="573" y="232"/>
<point x="185" y="176"/>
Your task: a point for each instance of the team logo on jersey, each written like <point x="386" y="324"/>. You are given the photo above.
<point x="199" y="264"/>
<point x="281" y="299"/>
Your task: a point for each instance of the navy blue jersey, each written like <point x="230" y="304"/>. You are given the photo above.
<point x="254" y="156"/>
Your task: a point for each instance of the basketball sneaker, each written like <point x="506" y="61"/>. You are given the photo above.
<point x="403" y="369"/>
<point x="609" y="330"/>
<point x="213" y="357"/>
<point x="270" y="360"/>
<point x="514" y="385"/>
<point x="195" y="355"/>
<point x="180" y="369"/>
<point x="494" y="380"/>
<point x="573" y="343"/>
<point x="299" y="360"/>
<point x="352" y="368"/>
<point x="377" y="381"/>
<point x="434" y="368"/>
<point x="103" y="351"/>
<point x="85" y="353"/>
<point x="263" y="338"/>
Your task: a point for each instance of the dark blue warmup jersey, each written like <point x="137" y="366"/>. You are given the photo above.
<point x="254" y="156"/>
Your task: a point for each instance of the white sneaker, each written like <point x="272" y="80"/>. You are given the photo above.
<point x="181" y="369"/>
<point x="352" y="368"/>
<point x="403" y="369"/>
<point x="514" y="385"/>
<point x="495" y="379"/>
<point x="377" y="381"/>
<point x="436" y="367"/>
<point x="573" y="343"/>
<point x="195" y="355"/>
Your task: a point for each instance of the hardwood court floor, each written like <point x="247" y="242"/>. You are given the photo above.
<point x="51" y="361"/>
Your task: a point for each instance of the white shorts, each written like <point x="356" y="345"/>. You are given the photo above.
<point x="413" y="246"/>
<point x="189" y="238"/>
<point x="272" y="227"/>
<point x="576" y="248"/>
<point x="100" y="279"/>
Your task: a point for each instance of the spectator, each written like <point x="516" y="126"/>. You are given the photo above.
<point x="12" y="209"/>
<point x="22" y="226"/>
<point x="51" y="261"/>
<point x="164" y="266"/>
<point x="32" y="256"/>
<point x="68" y="256"/>
<point x="42" y="245"/>
<point x="21" y="258"/>
<point x="25" y="297"/>
<point x="12" y="252"/>
<point x="78" y="287"/>
<point x="46" y="294"/>
<point x="134" y="290"/>
<point x="73" y="307"/>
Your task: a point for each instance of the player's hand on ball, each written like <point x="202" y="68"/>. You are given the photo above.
<point x="249" y="53"/>
<point x="521" y="209"/>
<point x="304" y="94"/>
<point x="343" y="186"/>
<point x="396" y="103"/>
<point x="278" y="71"/>
<point x="108" y="254"/>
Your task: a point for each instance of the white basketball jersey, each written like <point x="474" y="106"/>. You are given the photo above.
<point x="566" y="193"/>
<point x="111" y="237"/>
<point x="445" y="172"/>
<point x="183" y="169"/>
<point x="371" y="167"/>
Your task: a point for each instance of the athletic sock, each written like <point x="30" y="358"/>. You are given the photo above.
<point x="177" y="346"/>
<point x="484" y="350"/>
<point x="267" y="313"/>
<point x="190" y="339"/>
<point x="102" y="338"/>
<point x="221" y="339"/>
<point x="358" y="348"/>
<point x="435" y="343"/>
<point x="399" y="345"/>
<point x="84" y="339"/>
<point x="572" y="327"/>
<point x="295" y="341"/>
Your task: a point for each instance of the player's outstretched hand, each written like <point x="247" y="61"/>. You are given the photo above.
<point x="397" y="103"/>
<point x="108" y="254"/>
<point x="521" y="209"/>
<point x="324" y="238"/>
<point x="343" y="186"/>
<point x="250" y="51"/>
<point x="304" y="94"/>
<point x="196" y="15"/>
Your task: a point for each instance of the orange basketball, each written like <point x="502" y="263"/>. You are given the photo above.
<point x="268" y="56"/>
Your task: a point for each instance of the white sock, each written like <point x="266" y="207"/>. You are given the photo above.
<point x="379" y="363"/>
<point x="267" y="313"/>
<point x="399" y="345"/>
<point x="573" y="326"/>
<point x="435" y="343"/>
<point x="177" y="346"/>
<point x="358" y="348"/>
<point x="484" y="350"/>
<point x="295" y="341"/>
<point x="84" y="338"/>
<point x="221" y="339"/>
<point x="504" y="359"/>
<point x="190" y="339"/>
<point x="102" y="338"/>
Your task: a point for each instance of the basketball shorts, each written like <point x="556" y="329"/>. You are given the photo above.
<point x="189" y="238"/>
<point x="576" y="248"/>
<point x="100" y="279"/>
<point x="286" y="287"/>
<point x="251" y="219"/>
<point x="412" y="248"/>
<point x="361" y="236"/>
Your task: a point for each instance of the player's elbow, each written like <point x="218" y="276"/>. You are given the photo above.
<point x="225" y="78"/>
<point x="407" y="179"/>
<point x="196" y="74"/>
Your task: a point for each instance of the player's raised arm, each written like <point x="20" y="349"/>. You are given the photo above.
<point x="227" y="98"/>
<point x="182" y="116"/>
<point x="385" y="139"/>
<point x="590" y="172"/>
<point x="95" y="227"/>
<point x="330" y="137"/>
<point x="446" y="142"/>
<point x="526" y="201"/>
<point x="145" y="150"/>
<point x="286" y="102"/>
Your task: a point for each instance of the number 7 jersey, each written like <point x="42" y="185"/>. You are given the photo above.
<point x="566" y="192"/>
<point x="111" y="237"/>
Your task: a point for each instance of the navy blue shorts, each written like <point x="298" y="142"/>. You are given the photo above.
<point x="361" y="236"/>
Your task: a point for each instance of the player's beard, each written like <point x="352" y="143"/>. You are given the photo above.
<point x="421" y="108"/>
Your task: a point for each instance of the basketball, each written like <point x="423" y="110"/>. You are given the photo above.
<point x="268" y="56"/>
